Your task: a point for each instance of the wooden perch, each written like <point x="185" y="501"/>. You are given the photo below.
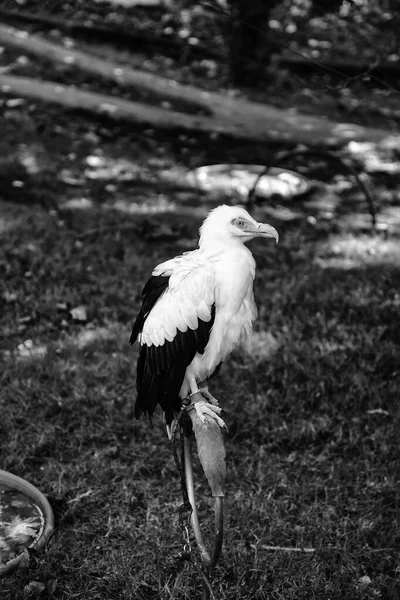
<point x="238" y="118"/>
<point x="211" y="451"/>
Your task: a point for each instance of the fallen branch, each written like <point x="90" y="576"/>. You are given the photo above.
<point x="127" y="37"/>
<point x="171" y="46"/>
<point x="234" y="117"/>
<point x="272" y="125"/>
<point x="124" y="76"/>
<point x="110" y="106"/>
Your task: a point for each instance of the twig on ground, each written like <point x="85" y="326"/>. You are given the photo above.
<point x="83" y="495"/>
<point x="284" y="549"/>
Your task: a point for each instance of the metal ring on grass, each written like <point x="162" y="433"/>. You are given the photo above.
<point x="240" y="178"/>
<point x="26" y="521"/>
<point x="282" y="157"/>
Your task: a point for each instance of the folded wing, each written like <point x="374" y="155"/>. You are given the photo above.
<point x="173" y="325"/>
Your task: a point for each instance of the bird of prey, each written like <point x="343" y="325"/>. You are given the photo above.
<point x="196" y="309"/>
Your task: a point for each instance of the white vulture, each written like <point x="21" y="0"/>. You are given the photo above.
<point x="197" y="308"/>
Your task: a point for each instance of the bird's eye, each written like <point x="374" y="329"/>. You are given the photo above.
<point x="239" y="223"/>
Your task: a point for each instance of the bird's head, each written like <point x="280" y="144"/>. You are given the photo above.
<point x="227" y="224"/>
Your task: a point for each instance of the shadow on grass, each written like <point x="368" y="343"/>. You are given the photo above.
<point x="313" y="428"/>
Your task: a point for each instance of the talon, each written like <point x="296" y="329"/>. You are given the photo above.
<point x="204" y="409"/>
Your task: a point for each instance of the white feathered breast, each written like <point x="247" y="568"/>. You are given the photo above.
<point x="197" y="281"/>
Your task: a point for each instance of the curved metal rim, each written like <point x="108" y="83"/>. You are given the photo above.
<point x="260" y="172"/>
<point x="282" y="157"/>
<point x="13" y="481"/>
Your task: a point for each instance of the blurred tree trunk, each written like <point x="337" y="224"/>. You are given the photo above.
<point x="248" y="39"/>
<point x="321" y="7"/>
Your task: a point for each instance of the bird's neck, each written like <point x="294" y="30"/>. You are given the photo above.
<point x="214" y="244"/>
<point x="230" y="256"/>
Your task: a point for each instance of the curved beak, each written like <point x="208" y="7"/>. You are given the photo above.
<point x="265" y="230"/>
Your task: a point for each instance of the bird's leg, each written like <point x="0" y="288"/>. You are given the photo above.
<point x="202" y="407"/>
<point x="208" y="396"/>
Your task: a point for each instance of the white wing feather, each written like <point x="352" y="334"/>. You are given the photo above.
<point x="189" y="297"/>
<point x="204" y="312"/>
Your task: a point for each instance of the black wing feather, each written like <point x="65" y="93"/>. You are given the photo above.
<point x="161" y="369"/>
<point x="153" y="289"/>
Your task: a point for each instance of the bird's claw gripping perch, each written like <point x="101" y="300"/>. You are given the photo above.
<point x="206" y="409"/>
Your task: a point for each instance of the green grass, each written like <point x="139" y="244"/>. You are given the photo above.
<point x="312" y="447"/>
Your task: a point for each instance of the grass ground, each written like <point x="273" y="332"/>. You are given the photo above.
<point x="313" y="429"/>
<point x="312" y="447"/>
